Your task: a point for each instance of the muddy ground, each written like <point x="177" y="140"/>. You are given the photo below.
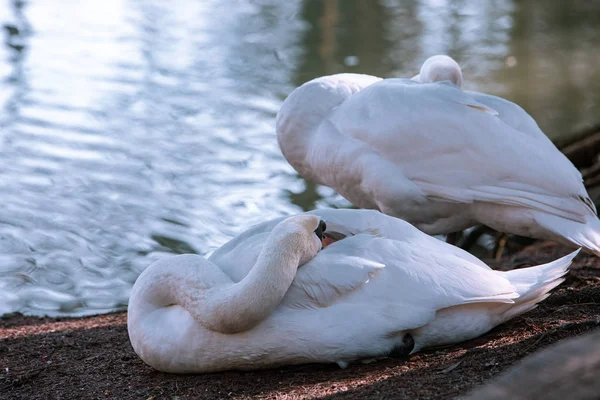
<point x="91" y="358"/>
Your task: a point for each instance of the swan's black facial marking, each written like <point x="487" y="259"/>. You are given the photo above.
<point x="403" y="350"/>
<point x="320" y="229"/>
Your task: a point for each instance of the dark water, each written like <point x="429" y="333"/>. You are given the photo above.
<point x="131" y="129"/>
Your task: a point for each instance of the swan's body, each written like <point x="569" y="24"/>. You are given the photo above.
<point x="436" y="156"/>
<point x="360" y="297"/>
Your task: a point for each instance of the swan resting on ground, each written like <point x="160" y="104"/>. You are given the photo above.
<point x="436" y="156"/>
<point x="273" y="296"/>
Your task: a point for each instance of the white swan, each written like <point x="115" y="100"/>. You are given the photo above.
<point x="432" y="154"/>
<point x="386" y="289"/>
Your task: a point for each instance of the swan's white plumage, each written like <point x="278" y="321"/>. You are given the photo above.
<point x="481" y="164"/>
<point x="391" y="247"/>
<point x="434" y="155"/>
<point x="355" y="299"/>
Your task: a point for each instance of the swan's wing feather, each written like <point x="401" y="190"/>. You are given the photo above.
<point x="505" y="195"/>
<point x="375" y="223"/>
<point x="512" y="114"/>
<point x="411" y="273"/>
<point x="440" y="139"/>
<point x="356" y="169"/>
<point x="315" y="286"/>
<point x="384" y="261"/>
<point x="434" y="272"/>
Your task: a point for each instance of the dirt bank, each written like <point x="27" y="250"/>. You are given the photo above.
<point x="90" y="358"/>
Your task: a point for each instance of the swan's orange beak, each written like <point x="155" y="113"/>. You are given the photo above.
<point x="326" y="241"/>
<point x="331" y="237"/>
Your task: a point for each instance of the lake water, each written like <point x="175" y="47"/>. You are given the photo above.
<point x="132" y="129"/>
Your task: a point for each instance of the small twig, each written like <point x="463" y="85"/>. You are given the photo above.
<point x="450" y="368"/>
<point x="91" y="358"/>
<point x="578" y="304"/>
<point x="542" y="336"/>
<point x="20" y="380"/>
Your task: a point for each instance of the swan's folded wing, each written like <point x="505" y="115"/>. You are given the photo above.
<point x="575" y="209"/>
<point x="512" y="114"/>
<point x="457" y="152"/>
<point x="421" y="273"/>
<point x="336" y="272"/>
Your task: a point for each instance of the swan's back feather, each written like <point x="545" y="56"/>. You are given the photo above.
<point x="330" y="277"/>
<point x="357" y="271"/>
<point x="427" y="273"/>
<point x="513" y="115"/>
<point x="439" y="148"/>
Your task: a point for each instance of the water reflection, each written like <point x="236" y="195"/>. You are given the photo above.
<point x="133" y="128"/>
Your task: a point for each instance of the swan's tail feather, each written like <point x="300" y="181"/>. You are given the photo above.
<point x="534" y="284"/>
<point x="585" y="235"/>
<point x="588" y="236"/>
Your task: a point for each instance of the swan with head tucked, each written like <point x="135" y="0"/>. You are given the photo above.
<point x="269" y="297"/>
<point x="436" y="156"/>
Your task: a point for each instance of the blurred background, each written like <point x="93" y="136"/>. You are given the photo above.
<point x="133" y="128"/>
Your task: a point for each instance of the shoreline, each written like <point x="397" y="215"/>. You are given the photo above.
<point x="90" y="357"/>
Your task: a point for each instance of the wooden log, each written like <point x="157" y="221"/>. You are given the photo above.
<point x="583" y="150"/>
<point x="566" y="370"/>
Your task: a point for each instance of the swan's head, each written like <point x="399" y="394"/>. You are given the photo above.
<point x="303" y="233"/>
<point x="440" y="68"/>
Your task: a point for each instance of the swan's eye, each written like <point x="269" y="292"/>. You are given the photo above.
<point x="320" y="229"/>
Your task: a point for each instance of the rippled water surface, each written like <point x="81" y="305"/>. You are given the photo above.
<point x="132" y="129"/>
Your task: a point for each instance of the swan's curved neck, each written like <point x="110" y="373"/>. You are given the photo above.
<point x="243" y="305"/>
<point x="211" y="297"/>
<point x="307" y="107"/>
